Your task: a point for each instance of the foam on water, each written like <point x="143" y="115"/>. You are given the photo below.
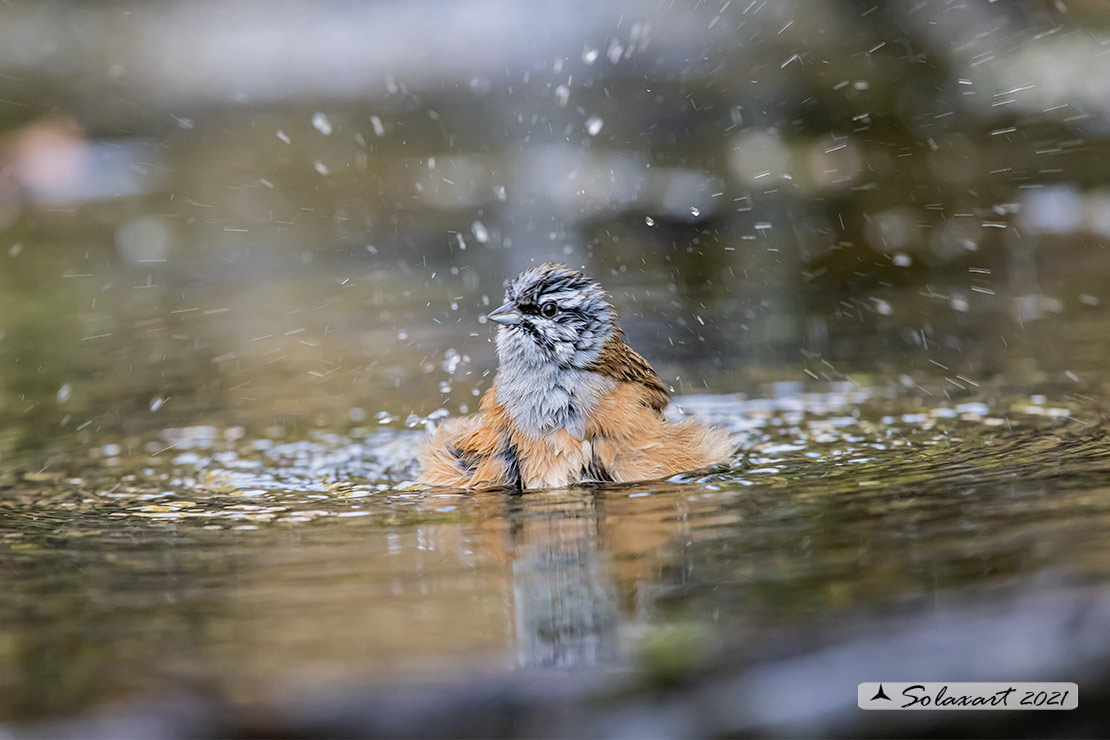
<point x="865" y="436"/>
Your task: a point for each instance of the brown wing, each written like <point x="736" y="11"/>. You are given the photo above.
<point x="473" y="451"/>
<point x="621" y="362"/>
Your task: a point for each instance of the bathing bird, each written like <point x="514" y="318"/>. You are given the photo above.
<point x="571" y="402"/>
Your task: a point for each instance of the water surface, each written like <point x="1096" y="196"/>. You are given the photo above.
<point x="259" y="564"/>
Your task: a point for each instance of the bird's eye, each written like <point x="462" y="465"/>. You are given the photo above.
<point x="549" y="309"/>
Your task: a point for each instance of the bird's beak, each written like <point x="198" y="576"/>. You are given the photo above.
<point x="506" y="314"/>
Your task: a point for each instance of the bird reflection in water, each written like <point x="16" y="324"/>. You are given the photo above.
<point x="583" y="564"/>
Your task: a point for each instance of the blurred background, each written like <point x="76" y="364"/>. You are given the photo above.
<point x="261" y="221"/>
<point x="291" y="210"/>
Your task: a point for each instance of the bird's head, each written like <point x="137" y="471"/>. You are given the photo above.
<point x="553" y="314"/>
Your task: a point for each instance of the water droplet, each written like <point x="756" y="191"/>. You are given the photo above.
<point x="379" y="127"/>
<point x="480" y="231"/>
<point x="480" y="85"/>
<point x="589" y="56"/>
<point x="593" y="125"/>
<point x="562" y="95"/>
<point x="321" y="123"/>
<point x="649" y="220"/>
<point x="284" y="137"/>
<point x="695" y="211"/>
<point x="615" y="51"/>
<point x="451" y="360"/>
<point x="321" y="168"/>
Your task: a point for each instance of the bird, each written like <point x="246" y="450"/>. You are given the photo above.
<point x="571" y="403"/>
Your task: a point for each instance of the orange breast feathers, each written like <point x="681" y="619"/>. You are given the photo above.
<point x="626" y="439"/>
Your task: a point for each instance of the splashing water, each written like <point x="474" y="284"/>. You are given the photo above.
<point x="322" y="123"/>
<point x="848" y="435"/>
<point x="480" y="232"/>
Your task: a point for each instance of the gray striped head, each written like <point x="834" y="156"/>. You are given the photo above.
<point x="553" y="315"/>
